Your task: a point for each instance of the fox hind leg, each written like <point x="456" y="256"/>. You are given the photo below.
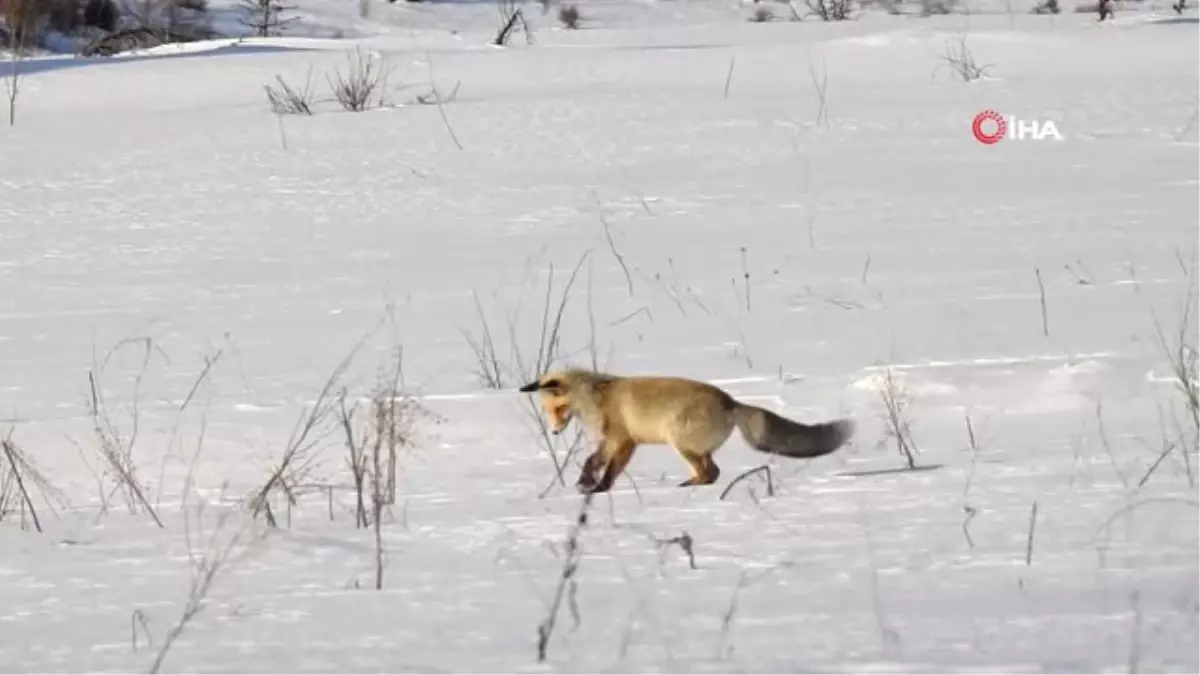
<point x="704" y="470"/>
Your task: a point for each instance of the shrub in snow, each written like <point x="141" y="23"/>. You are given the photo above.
<point x="568" y="15"/>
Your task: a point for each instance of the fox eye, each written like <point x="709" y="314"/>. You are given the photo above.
<point x="553" y="385"/>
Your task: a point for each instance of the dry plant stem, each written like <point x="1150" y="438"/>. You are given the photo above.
<point x="296" y="460"/>
<point x="377" y="508"/>
<point x="20" y="22"/>
<point x="729" y="75"/>
<point x="119" y="455"/>
<point x="962" y="62"/>
<point x="437" y="98"/>
<point x="486" y="359"/>
<point x="358" y="467"/>
<point x="1184" y="361"/>
<point x="1033" y="510"/>
<point x="11" y="454"/>
<point x="1042" y="299"/>
<point x="887" y="636"/>
<point x="745" y="277"/>
<point x="723" y="648"/>
<point x="286" y="100"/>
<point x="547" y="351"/>
<point x="138" y="618"/>
<point x="821" y="86"/>
<point x="897" y="419"/>
<point x="364" y="85"/>
<point x="1167" y="448"/>
<point x="764" y="469"/>
<point x="510" y="18"/>
<point x="969" y="510"/>
<point x="1135" y="633"/>
<point x="209" y="363"/>
<point x="1112" y="458"/>
<point x="612" y="246"/>
<point x="385" y="426"/>
<point x="204" y="573"/>
<point x="545" y="629"/>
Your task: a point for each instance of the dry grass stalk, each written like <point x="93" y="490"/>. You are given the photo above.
<point x="19" y="477"/>
<point x="364" y="86"/>
<point x="115" y="447"/>
<point x="287" y="100"/>
<point x="896" y="403"/>
<point x="961" y="61"/>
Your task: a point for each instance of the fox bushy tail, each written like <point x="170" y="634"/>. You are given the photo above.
<point x="767" y="432"/>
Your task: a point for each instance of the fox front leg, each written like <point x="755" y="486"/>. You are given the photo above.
<point x="587" y="473"/>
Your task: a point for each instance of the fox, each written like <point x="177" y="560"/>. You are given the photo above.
<point x="695" y="418"/>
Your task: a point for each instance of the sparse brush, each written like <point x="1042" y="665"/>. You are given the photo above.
<point x="364" y="86"/>
<point x="568" y="16"/>
<point x="374" y="445"/>
<point x="511" y="19"/>
<point x="830" y="10"/>
<point x="19" y="477"/>
<point x="961" y="60"/>
<point x="1183" y="359"/>
<point x="114" y="446"/>
<point x="1046" y="7"/>
<point x="287" y="100"/>
<point x="524" y="367"/>
<point x="896" y="403"/>
<point x="221" y="550"/>
<point x="296" y="463"/>
<point x="488" y="368"/>
<point x="265" y="18"/>
<point x="549" y="340"/>
<point x="356" y="447"/>
<point x="936" y="7"/>
<point x="762" y="14"/>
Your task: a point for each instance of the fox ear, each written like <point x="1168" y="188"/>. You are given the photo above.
<point x="531" y="387"/>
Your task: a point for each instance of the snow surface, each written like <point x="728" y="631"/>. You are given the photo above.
<point x="155" y="214"/>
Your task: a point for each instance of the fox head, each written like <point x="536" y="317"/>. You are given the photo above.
<point x="554" y="392"/>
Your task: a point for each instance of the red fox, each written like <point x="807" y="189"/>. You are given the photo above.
<point x="695" y="418"/>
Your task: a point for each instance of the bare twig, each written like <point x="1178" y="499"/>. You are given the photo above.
<point x="365" y="84"/>
<point x="764" y="469"/>
<point x="287" y="100"/>
<point x="1042" y="300"/>
<point x="820" y="83"/>
<point x="895" y="403"/>
<point x="962" y="62"/>
<point x="612" y="246"/>
<point x="729" y="75"/>
<point x="204" y="575"/>
<point x="1033" y="510"/>
<point x="296" y="460"/>
<point x="545" y="629"/>
<point x="437" y="100"/>
<point x="16" y="463"/>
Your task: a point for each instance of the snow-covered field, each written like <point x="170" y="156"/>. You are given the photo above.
<point x="725" y="220"/>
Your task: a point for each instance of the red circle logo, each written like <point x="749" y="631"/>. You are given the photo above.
<point x="981" y="120"/>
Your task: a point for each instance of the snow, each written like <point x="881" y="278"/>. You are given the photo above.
<point x="156" y="214"/>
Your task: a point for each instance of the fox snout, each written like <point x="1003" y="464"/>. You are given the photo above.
<point x="554" y="401"/>
<point x="559" y="419"/>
